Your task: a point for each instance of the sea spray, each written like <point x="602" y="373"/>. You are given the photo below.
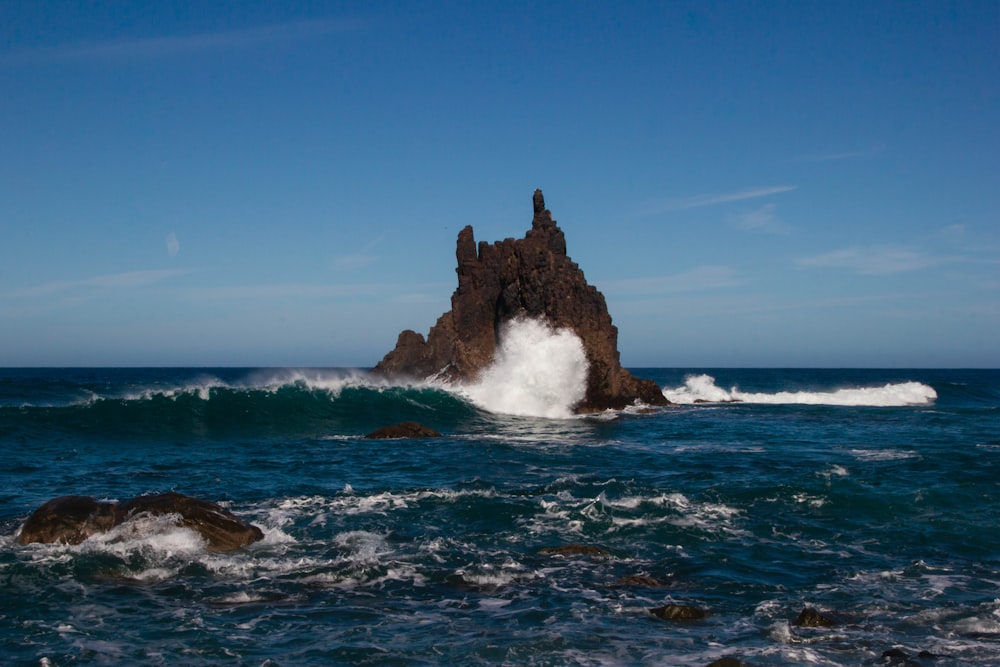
<point x="538" y="372"/>
<point x="702" y="389"/>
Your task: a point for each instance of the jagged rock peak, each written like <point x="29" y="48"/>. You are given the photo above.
<point x="532" y="277"/>
<point x="543" y="223"/>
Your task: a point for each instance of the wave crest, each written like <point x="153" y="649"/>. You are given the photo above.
<point x="702" y="389"/>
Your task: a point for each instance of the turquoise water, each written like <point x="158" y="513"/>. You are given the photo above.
<point x="871" y="495"/>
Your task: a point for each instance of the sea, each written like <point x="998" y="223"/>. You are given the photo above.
<point x="524" y="534"/>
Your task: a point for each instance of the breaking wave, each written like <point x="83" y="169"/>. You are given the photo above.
<point x="538" y="372"/>
<point x="702" y="389"/>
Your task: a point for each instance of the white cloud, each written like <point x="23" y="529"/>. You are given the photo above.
<point x="700" y="201"/>
<point x="108" y="281"/>
<point x="300" y="290"/>
<point x="762" y="220"/>
<point x="874" y="260"/>
<point x="173" y="245"/>
<point x="352" y="262"/>
<point x="843" y="155"/>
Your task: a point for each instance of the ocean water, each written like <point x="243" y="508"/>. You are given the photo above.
<point x="871" y="495"/>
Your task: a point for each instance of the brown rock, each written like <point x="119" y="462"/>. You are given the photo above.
<point x="727" y="662"/>
<point x="221" y="529"/>
<point x="811" y="618"/>
<point x="531" y="277"/>
<point x="73" y="519"/>
<point x="679" y="612"/>
<point x="403" y="430"/>
<point x="68" y="519"/>
<point x="641" y="581"/>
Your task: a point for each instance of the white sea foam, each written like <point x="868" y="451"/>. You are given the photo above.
<point x="205" y="386"/>
<point x="330" y="382"/>
<point x="882" y="454"/>
<point x="702" y="388"/>
<point x="538" y="372"/>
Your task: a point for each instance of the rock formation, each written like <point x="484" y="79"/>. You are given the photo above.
<point x="403" y="430"/>
<point x="530" y="277"/>
<point x="812" y="618"/>
<point x="73" y="519"/>
<point x="679" y="612"/>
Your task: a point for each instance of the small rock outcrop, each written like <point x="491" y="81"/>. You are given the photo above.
<point x="530" y="277"/>
<point x="679" y="612"/>
<point x="813" y="618"/>
<point x="73" y="519"/>
<point x="403" y="430"/>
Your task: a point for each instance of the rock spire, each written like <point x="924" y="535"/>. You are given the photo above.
<point x="531" y="277"/>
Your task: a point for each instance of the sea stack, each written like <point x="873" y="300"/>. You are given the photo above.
<point x="530" y="277"/>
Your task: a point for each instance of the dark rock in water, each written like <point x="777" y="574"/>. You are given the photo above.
<point x="73" y="519"/>
<point x="679" y="612"/>
<point x="575" y="550"/>
<point x="728" y="662"/>
<point x="69" y="519"/>
<point x="811" y="618"/>
<point x="641" y="581"/>
<point x="222" y="530"/>
<point x="530" y="277"/>
<point x="897" y="656"/>
<point x="403" y="430"/>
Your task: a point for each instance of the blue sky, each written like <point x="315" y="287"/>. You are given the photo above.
<point x="258" y="183"/>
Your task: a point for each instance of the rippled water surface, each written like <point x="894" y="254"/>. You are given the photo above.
<point x="871" y="496"/>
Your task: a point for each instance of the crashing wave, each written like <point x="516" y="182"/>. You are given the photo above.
<point x="538" y="372"/>
<point x="702" y="389"/>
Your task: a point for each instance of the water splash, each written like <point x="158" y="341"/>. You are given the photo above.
<point x="702" y="389"/>
<point x="538" y="372"/>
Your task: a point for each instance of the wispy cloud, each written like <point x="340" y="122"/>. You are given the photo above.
<point x="842" y="155"/>
<point x="873" y="260"/>
<point x="173" y="245"/>
<point x="357" y="260"/>
<point x="300" y="291"/>
<point x="352" y="262"/>
<point x="699" y="201"/>
<point x="127" y="50"/>
<point x="126" y="280"/>
<point x="696" y="280"/>
<point x="762" y="219"/>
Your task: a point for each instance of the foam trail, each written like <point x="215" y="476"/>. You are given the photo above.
<point x="702" y="388"/>
<point x="538" y="372"/>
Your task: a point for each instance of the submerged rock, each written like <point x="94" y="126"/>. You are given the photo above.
<point x="812" y="618"/>
<point x="728" y="662"/>
<point x="897" y="656"/>
<point x="641" y="581"/>
<point x="679" y="612"/>
<point x="403" y="430"/>
<point x="73" y="519"/>
<point x="531" y="277"/>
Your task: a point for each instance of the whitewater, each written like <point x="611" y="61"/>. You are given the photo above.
<point x="525" y="534"/>
<point x="701" y="388"/>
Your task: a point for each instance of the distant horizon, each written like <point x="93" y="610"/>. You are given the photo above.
<point x="625" y="366"/>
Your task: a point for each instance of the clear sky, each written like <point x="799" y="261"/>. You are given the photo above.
<point x="260" y="183"/>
